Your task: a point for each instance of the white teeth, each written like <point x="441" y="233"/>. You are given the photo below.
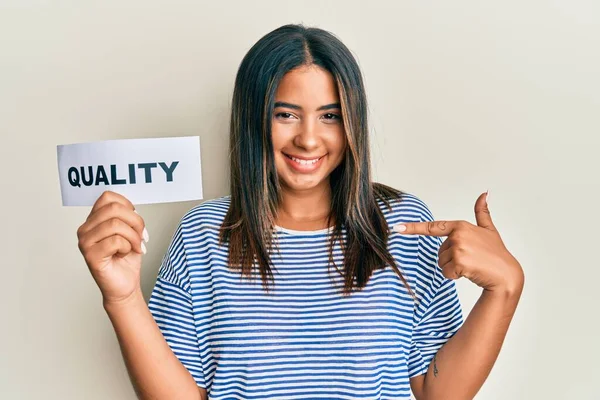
<point x="304" y="162"/>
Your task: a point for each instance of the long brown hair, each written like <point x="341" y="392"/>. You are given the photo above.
<point x="255" y="188"/>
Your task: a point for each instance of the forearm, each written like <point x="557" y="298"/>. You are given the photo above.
<point x="461" y="366"/>
<point x="155" y="371"/>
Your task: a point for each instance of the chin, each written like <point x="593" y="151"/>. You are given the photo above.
<point x="306" y="184"/>
<point x="301" y="186"/>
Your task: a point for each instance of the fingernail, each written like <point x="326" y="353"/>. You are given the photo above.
<point x="145" y="235"/>
<point x="487" y="198"/>
<point x="143" y="248"/>
<point x="400" y="228"/>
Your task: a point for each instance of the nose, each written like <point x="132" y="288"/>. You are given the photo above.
<point x="307" y="137"/>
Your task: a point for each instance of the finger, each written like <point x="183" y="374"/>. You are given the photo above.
<point x="110" y="211"/>
<point x="429" y="228"/>
<point x="113" y="226"/>
<point x="482" y="213"/>
<point x="111" y="197"/>
<point x="451" y="271"/>
<point x="445" y="257"/>
<point x="110" y="246"/>
<point x="445" y="245"/>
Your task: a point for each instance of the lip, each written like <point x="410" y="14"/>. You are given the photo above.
<point x="307" y="168"/>
<point x="303" y="158"/>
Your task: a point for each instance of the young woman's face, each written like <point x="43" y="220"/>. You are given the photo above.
<point x="307" y="129"/>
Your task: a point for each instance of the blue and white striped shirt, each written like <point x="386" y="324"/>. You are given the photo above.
<point x="304" y="340"/>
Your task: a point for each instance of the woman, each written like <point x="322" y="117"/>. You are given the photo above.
<point x="295" y="286"/>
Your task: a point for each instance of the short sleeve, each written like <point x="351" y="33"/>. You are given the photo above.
<point x="172" y="308"/>
<point x="438" y="312"/>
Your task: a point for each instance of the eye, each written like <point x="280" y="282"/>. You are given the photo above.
<point x="284" y="115"/>
<point x="332" y="116"/>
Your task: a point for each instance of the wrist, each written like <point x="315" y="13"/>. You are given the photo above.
<point x="132" y="300"/>
<point x="512" y="284"/>
<point x="505" y="292"/>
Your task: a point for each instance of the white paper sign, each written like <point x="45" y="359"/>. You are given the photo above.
<point x="156" y="170"/>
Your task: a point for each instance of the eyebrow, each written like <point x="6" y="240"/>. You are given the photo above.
<point x="297" y="107"/>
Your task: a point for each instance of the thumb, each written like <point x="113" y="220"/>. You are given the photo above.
<point x="482" y="212"/>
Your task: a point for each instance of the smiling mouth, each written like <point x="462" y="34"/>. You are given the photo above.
<point x="302" y="161"/>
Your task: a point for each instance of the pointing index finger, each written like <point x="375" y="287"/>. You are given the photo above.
<point x="429" y="228"/>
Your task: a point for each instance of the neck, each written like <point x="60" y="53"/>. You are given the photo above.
<point x="305" y="210"/>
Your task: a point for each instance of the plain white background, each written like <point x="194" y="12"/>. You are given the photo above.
<point x="464" y="96"/>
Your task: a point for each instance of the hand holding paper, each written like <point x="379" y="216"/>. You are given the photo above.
<point x="110" y="241"/>
<point x="113" y="176"/>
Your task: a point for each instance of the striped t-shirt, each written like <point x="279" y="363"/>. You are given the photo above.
<point x="304" y="340"/>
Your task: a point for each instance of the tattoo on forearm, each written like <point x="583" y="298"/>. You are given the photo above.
<point x="435" y="370"/>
